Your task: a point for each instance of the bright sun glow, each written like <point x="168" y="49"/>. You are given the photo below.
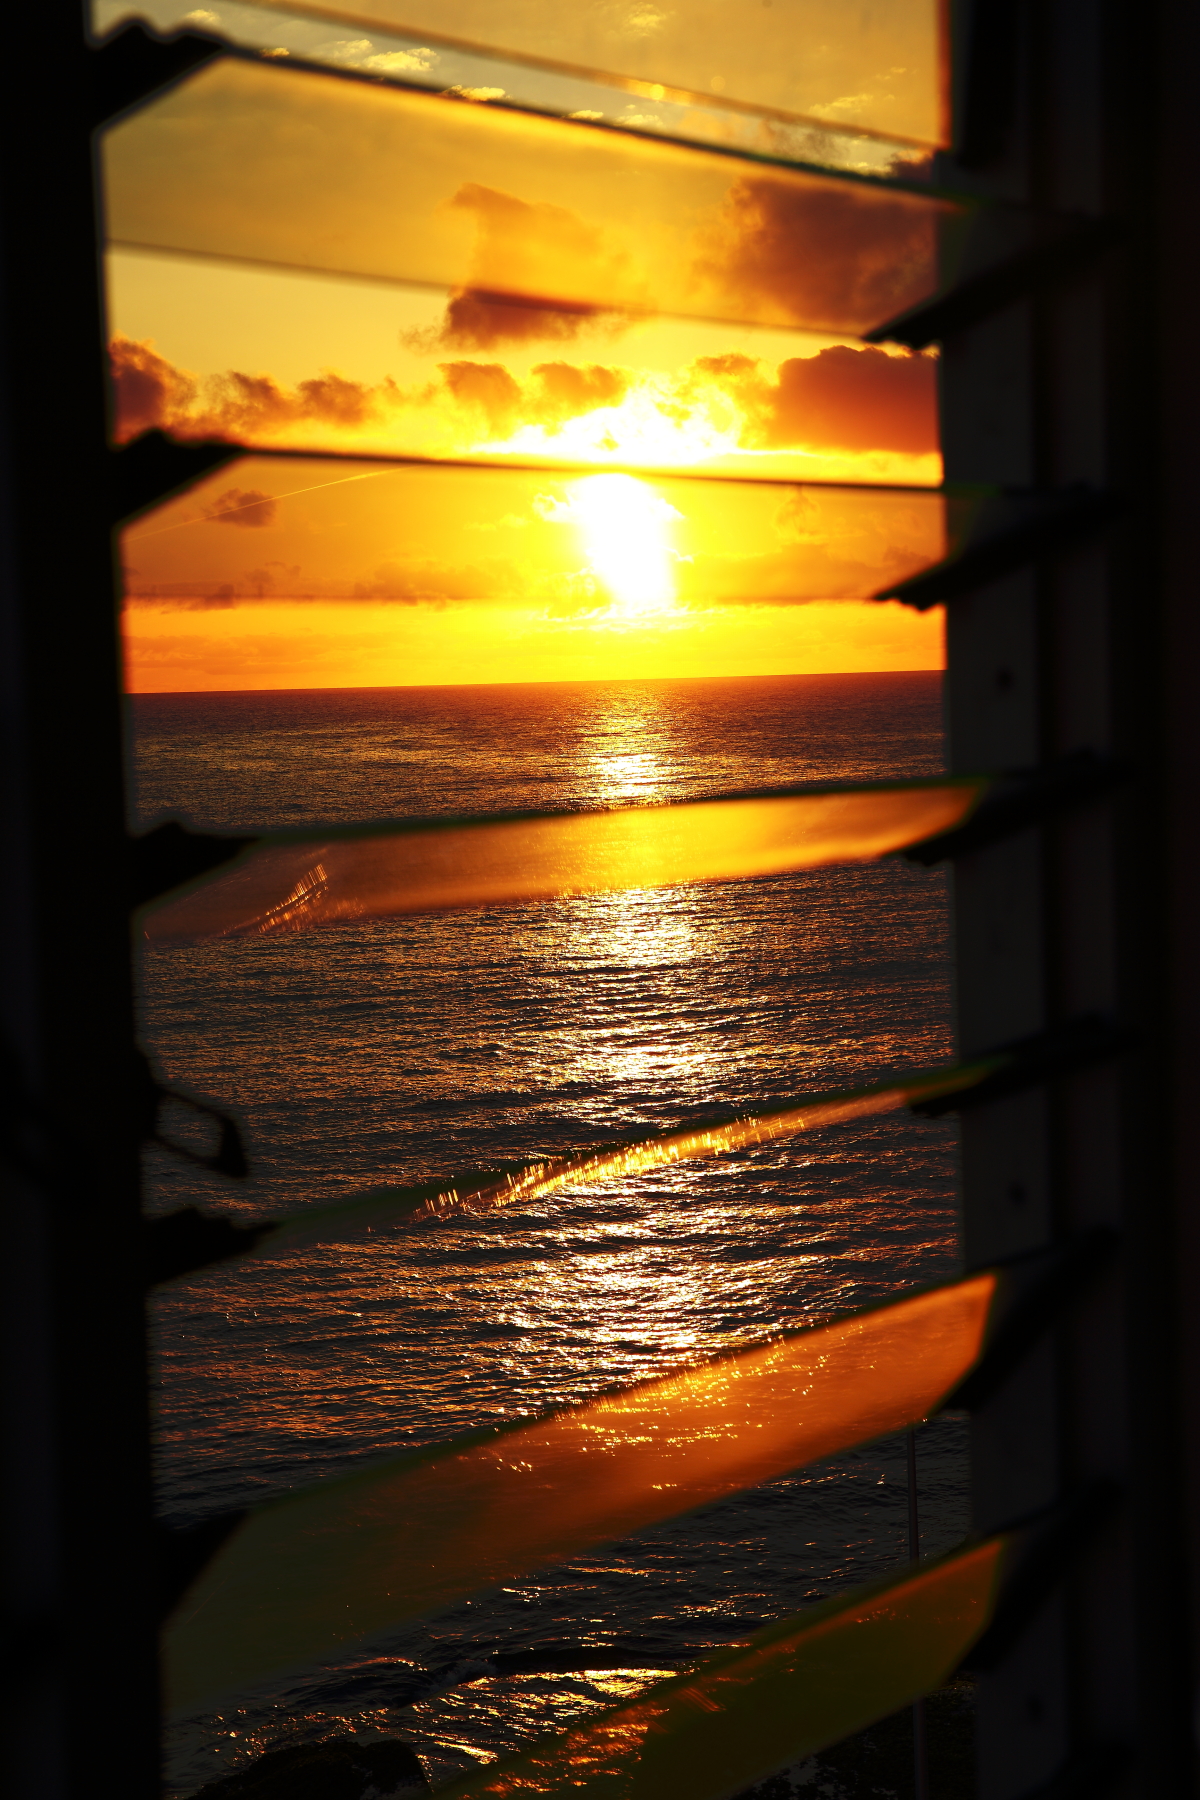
<point x="625" y="528"/>
<point x="647" y="426"/>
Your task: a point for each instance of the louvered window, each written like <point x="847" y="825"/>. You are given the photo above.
<point x="516" y="173"/>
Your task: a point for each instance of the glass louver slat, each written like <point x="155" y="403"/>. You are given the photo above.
<point x="831" y="137"/>
<point x="881" y="67"/>
<point x="646" y="545"/>
<point x="540" y="1179"/>
<point x="296" y="881"/>
<point x="553" y="221"/>
<point x="322" y="1569"/>
<point x="480" y="523"/>
<point x="476" y="1191"/>
<point x="798" y="1686"/>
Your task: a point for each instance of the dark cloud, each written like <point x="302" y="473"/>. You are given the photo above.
<point x="261" y="583"/>
<point x="557" y="392"/>
<point x="151" y="391"/>
<point x="529" y="259"/>
<point x="840" y="399"/>
<point x="275" y="580"/>
<point x="478" y="320"/>
<point x="425" y="579"/>
<point x="241" y="405"/>
<point x="248" y="507"/>
<point x="220" y="600"/>
<point x="342" y="402"/>
<point x="568" y="391"/>
<point x="147" y="389"/>
<point x="857" y="400"/>
<point x="842" y="256"/>
<point x="488" y="387"/>
<point x="526" y="239"/>
<point x="405" y="581"/>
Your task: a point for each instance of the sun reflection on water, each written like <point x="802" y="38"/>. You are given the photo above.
<point x="418" y="1045"/>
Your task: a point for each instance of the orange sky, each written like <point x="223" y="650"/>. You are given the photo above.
<point x="315" y="573"/>
<point x="586" y="623"/>
<point x="311" y="572"/>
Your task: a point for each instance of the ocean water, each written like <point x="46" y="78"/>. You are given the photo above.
<point x="397" y="1050"/>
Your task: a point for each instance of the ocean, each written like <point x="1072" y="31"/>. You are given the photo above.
<point x="399" y="1050"/>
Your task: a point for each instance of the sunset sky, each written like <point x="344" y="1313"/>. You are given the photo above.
<point x="538" y="315"/>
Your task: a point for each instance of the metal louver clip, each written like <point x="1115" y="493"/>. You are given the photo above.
<point x="229" y="1158"/>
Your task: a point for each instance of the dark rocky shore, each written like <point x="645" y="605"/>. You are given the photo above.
<point x="876" y="1764"/>
<point x="341" y="1768"/>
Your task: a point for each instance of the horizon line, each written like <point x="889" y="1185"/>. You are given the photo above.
<point x="394" y="687"/>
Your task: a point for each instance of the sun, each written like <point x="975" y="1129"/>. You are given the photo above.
<point x="626" y="532"/>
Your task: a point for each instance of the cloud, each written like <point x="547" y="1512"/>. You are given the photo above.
<point x="843" y="400"/>
<point x="149" y="390"/>
<point x="557" y="391"/>
<point x="403" y="62"/>
<point x="856" y="105"/>
<point x="489" y="388"/>
<point x="275" y="578"/>
<point x="840" y="399"/>
<point x="842" y="256"/>
<point x="568" y="391"/>
<point x="164" y="599"/>
<point x="247" y="507"/>
<point x="239" y="404"/>
<point x="406" y="581"/>
<point x="425" y="579"/>
<point x="642" y="21"/>
<point x="222" y="598"/>
<point x="360" y="53"/>
<point x="479" y="320"/>
<point x="529" y="262"/>
<point x="403" y="580"/>
<point x="857" y="400"/>
<point x="521" y="236"/>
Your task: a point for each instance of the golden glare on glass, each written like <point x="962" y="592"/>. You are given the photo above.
<point x="292" y="883"/>
<point x="487" y="1190"/>
<point x="310" y="1573"/>
<point x="537" y="227"/>
<point x="800" y="1685"/>
<point x="605" y="547"/>
<point x="878" y="67"/>
<point x="625" y="531"/>
<point x="882" y="126"/>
